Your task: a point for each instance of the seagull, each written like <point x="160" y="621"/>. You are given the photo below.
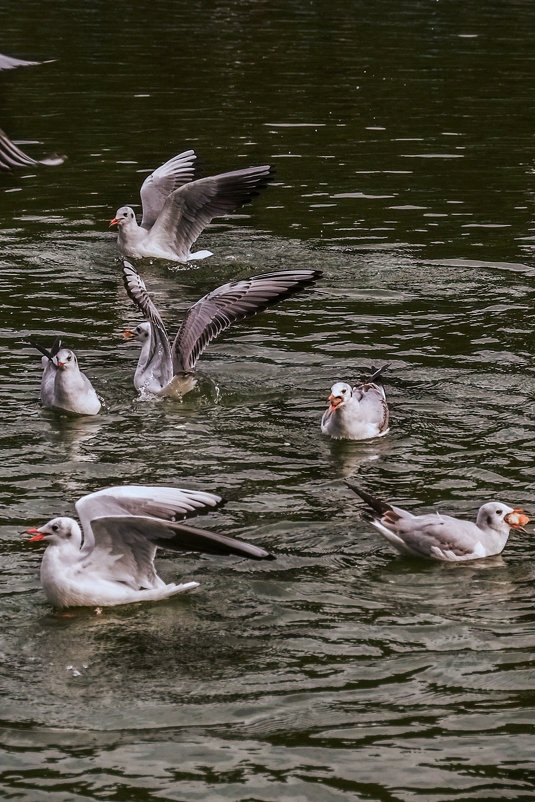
<point x="357" y="413"/>
<point x="110" y="559"/>
<point x="176" y="208"/>
<point x="168" y="370"/>
<point x="11" y="156"/>
<point x="442" y="537"/>
<point x="64" y="387"/>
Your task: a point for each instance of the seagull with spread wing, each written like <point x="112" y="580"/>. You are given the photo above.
<point x="168" y="369"/>
<point x="109" y="560"/>
<point x="176" y="208"/>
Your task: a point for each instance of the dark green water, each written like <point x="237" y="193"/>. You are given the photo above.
<point x="402" y="136"/>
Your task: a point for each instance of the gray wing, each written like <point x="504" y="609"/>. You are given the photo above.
<point x="166" y="179"/>
<point x="166" y="504"/>
<point x="173" y="536"/>
<point x="372" y="404"/>
<point x="436" y="535"/>
<point x="137" y="292"/>
<point x="229" y="303"/>
<point x="189" y="209"/>
<point x="124" y="547"/>
<point x="10" y="63"/>
<point x="11" y="156"/>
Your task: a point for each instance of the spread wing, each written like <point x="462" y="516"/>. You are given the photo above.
<point x="229" y="303"/>
<point x="158" y="185"/>
<point x="167" y="504"/>
<point x="10" y="63"/>
<point x="189" y="209"/>
<point x="11" y="156"/>
<point x="123" y="527"/>
<point x="137" y="291"/>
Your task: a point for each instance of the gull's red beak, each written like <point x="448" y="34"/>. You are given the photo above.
<point x="61" y="365"/>
<point x="37" y="535"/>
<point x="517" y="519"/>
<point x="334" y="401"/>
<point x="114" y="222"/>
<point x="128" y="334"/>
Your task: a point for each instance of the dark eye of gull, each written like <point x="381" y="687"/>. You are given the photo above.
<point x="55" y="528"/>
<point x="499" y="512"/>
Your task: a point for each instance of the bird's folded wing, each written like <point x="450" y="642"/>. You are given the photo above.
<point x="229" y="303"/>
<point x="428" y="534"/>
<point x="166" y="179"/>
<point x="189" y="209"/>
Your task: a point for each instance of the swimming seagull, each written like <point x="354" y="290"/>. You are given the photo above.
<point x="110" y="559"/>
<point x="357" y="413"/>
<point x="442" y="537"/>
<point x="165" y="369"/>
<point x="176" y="208"/>
<point x="64" y="387"/>
<point x="11" y="156"/>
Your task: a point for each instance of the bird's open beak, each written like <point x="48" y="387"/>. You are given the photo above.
<point x="61" y="365"/>
<point x="334" y="400"/>
<point x="37" y="535"/>
<point x="128" y="334"/>
<point x="516" y="519"/>
<point x="114" y="222"/>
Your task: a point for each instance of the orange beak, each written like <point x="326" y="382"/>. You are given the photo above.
<point x="61" y="365"/>
<point x="128" y="334"/>
<point x="114" y="222"/>
<point x="37" y="535"/>
<point x="335" y="400"/>
<point x="517" y="519"/>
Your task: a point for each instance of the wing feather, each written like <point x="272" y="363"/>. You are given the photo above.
<point x="160" y="503"/>
<point x="160" y="346"/>
<point x="165" y="179"/>
<point x="229" y="303"/>
<point x="191" y="207"/>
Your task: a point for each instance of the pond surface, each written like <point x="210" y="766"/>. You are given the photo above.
<point x="402" y="137"/>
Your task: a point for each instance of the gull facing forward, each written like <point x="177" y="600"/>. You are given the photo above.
<point x="176" y="208"/>
<point x="357" y="413"/>
<point x="110" y="559"/>
<point x="64" y="387"/>
<point x="165" y="369"/>
<point x="441" y="537"/>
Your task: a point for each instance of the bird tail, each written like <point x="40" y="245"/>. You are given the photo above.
<point x="379" y="506"/>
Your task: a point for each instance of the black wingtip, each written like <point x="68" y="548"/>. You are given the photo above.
<point x="377" y="374"/>
<point x="49" y="353"/>
<point x="375" y="503"/>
